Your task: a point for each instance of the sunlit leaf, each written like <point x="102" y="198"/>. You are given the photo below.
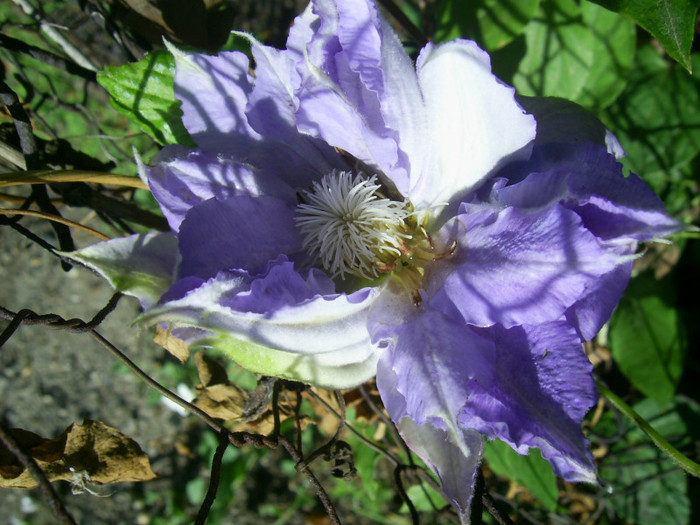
<point x="671" y="22"/>
<point x="143" y="92"/>
<point x="614" y="46"/>
<point x="492" y="23"/>
<point x="559" y="52"/>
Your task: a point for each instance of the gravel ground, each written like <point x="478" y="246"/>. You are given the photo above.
<point x="52" y="378"/>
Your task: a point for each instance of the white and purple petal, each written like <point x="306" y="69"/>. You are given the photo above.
<point x="280" y="323"/>
<point x="454" y="456"/>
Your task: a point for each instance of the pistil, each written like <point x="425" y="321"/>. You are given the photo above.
<point x="351" y="228"/>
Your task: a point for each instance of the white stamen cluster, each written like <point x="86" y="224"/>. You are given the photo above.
<point x="349" y="228"/>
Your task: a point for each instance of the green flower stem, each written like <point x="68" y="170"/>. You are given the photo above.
<point x="679" y="459"/>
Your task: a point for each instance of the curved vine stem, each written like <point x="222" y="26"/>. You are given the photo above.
<point x="672" y="452"/>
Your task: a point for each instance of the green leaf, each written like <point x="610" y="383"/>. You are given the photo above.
<point x="648" y="487"/>
<point x="657" y="119"/>
<point x="647" y="337"/>
<point x="559" y="52"/>
<point x="671" y="22"/>
<point x="532" y="472"/>
<point x="492" y="23"/>
<point x="143" y="92"/>
<point x="424" y="498"/>
<point x="614" y="46"/>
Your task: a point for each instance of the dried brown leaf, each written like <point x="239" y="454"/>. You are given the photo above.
<point x="211" y="372"/>
<point x="93" y="450"/>
<point x="172" y="344"/>
<point x="222" y="401"/>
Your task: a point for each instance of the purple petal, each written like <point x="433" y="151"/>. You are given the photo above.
<point x="280" y="287"/>
<point x="433" y="358"/>
<point x="590" y="181"/>
<point x="342" y="76"/>
<point x="271" y="111"/>
<point x="188" y="178"/>
<point x="515" y="267"/>
<point x="593" y="310"/>
<point x="381" y="79"/>
<point x="240" y="232"/>
<point x="542" y="387"/>
<point x="348" y="129"/>
<point x="214" y="92"/>
<point x="423" y="379"/>
<point x="560" y="120"/>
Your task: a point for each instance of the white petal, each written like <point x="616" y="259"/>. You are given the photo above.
<point x="474" y="126"/>
<point x="402" y="102"/>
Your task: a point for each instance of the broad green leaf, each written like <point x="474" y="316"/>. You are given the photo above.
<point x="143" y="92"/>
<point x="647" y="337"/>
<point x="532" y="472"/>
<point x="648" y="488"/>
<point x="657" y="119"/>
<point x="614" y="46"/>
<point x="559" y="52"/>
<point x="671" y="22"/>
<point x="492" y="23"/>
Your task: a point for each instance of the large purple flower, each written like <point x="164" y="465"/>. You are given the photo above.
<point x="350" y="214"/>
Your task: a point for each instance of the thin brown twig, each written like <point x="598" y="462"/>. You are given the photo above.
<point x="394" y="460"/>
<point x="404" y="495"/>
<point x="214" y="479"/>
<point x="55" y="218"/>
<point x="388" y="422"/>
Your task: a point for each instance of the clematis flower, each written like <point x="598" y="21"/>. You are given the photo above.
<point x="349" y="214"/>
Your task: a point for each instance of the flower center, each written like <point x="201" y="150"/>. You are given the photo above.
<point x="351" y="228"/>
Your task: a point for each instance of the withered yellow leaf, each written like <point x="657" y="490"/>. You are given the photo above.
<point x="93" y="450"/>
